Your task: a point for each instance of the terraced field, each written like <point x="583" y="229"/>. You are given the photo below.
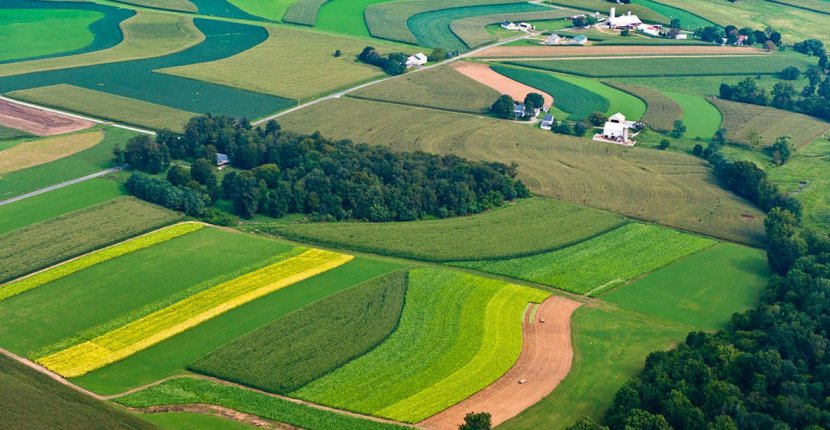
<point x="639" y="183"/>
<point x="740" y="119"/>
<point x="661" y="111"/>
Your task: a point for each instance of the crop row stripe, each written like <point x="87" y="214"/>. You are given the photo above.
<point x="22" y="285"/>
<point x="190" y="312"/>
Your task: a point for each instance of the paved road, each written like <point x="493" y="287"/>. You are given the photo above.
<point x="57" y="186"/>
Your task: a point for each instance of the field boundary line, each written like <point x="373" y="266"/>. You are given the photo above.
<point x="59" y="185"/>
<point x="217" y="411"/>
<point x="78" y="116"/>
<point x="54" y="376"/>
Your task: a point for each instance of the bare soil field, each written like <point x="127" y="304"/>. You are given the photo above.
<point x="37" y="121"/>
<point x="28" y="154"/>
<point x="483" y="74"/>
<point x="545" y="360"/>
<point x="588" y="51"/>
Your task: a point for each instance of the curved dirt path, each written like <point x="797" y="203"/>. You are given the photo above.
<point x="546" y="358"/>
<point x="483" y="74"/>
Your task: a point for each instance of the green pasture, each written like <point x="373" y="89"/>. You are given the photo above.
<point x="58" y="202"/>
<point x="661" y="111"/>
<point x="91" y="160"/>
<point x="7" y="133"/>
<point x="31" y="33"/>
<point x="702" y="290"/>
<point x="188" y="391"/>
<point x="701" y="118"/>
<point x="821" y="6"/>
<point x="760" y="126"/>
<point x="688" y="21"/>
<point x="619" y="101"/>
<point x="192" y="421"/>
<point x="522" y="228"/>
<point x="345" y="16"/>
<point x="227" y="9"/>
<point x="602" y="262"/>
<point x="269" y="9"/>
<point x="805" y="176"/>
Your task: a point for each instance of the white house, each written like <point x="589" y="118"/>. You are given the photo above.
<point x="525" y="26"/>
<point x="418" y="59"/>
<point x="681" y="36"/>
<point x="554" y="39"/>
<point x="623" y="21"/>
<point x="507" y="25"/>
<point x="651" y="30"/>
<point x="547" y="122"/>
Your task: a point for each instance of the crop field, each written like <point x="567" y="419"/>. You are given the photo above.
<point x="107" y="106"/>
<point x="619" y="101"/>
<point x="303" y="12"/>
<point x="688" y="21"/>
<point x="35" y="401"/>
<point x="525" y="227"/>
<point x="741" y="119"/>
<point x="319" y="73"/>
<point x="441" y="88"/>
<point x="185" y="391"/>
<point x="268" y="9"/>
<point x="344" y="16"/>
<point x="58" y="202"/>
<point x="41" y="151"/>
<point x="599" y="263"/>
<point x="137" y="79"/>
<point x="226" y="9"/>
<point x="146" y="35"/>
<point x="537" y="51"/>
<point x="39" y="245"/>
<point x="642" y="184"/>
<point x="643" y="11"/>
<point x="196" y="420"/>
<point x="473" y="30"/>
<point x="177" y="5"/>
<point x="821" y="6"/>
<point x="702" y="290"/>
<point x="701" y="118"/>
<point x="307" y="344"/>
<point x="805" y="176"/>
<point x="656" y="67"/>
<point x="661" y="111"/>
<point x="573" y="99"/>
<point x="438" y="355"/>
<point x="94" y="159"/>
<point x="7" y="133"/>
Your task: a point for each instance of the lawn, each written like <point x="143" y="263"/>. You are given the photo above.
<point x="35" y="401"/>
<point x="36" y="152"/>
<point x="313" y="341"/>
<point x="441" y="87"/>
<point x="106" y="106"/>
<point x="594" y="265"/>
<point x="57" y="31"/>
<point x="661" y="110"/>
<point x="458" y="333"/>
<point x="743" y="121"/>
<point x="58" y="202"/>
<point x="473" y="31"/>
<point x="525" y="227"/>
<point x="345" y="16"/>
<point x="640" y="183"/>
<point x="573" y="99"/>
<point x="49" y="242"/>
<point x="319" y="72"/>
<point x="701" y="118"/>
<point x="94" y="159"/>
<point x="189" y="391"/>
<point x="702" y="290"/>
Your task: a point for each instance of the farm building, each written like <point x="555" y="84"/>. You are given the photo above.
<point x="554" y="39"/>
<point x="519" y="110"/>
<point x="627" y="21"/>
<point x="579" y="39"/>
<point x="547" y="122"/>
<point x="526" y="27"/>
<point x="651" y="30"/>
<point x="222" y="160"/>
<point x="507" y="25"/>
<point x="681" y="36"/>
<point x="616" y="130"/>
<point x="418" y="59"/>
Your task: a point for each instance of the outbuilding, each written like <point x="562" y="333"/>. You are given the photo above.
<point x="418" y="59"/>
<point x="627" y="21"/>
<point x="547" y="122"/>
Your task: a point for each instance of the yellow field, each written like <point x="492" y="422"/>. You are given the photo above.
<point x="36" y="152"/>
<point x="190" y="312"/>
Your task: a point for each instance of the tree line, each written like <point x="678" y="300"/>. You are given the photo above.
<point x="275" y="172"/>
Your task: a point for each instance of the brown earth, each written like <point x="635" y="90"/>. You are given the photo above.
<point x="587" y="51"/>
<point x="483" y="74"/>
<point x="37" y="121"/>
<point x="545" y="360"/>
<point x="36" y="152"/>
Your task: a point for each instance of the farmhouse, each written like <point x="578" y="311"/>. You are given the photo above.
<point x="222" y="160"/>
<point x="547" y="122"/>
<point x="627" y="21"/>
<point x="616" y="130"/>
<point x="418" y="59"/>
<point x="507" y="25"/>
<point x="554" y="39"/>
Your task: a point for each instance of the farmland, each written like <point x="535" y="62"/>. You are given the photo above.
<point x="104" y="105"/>
<point x="619" y="101"/>
<point x="639" y="183"/>
<point x="523" y="228"/>
<point x="10" y="133"/>
<point x="40" y="245"/>
<point x="610" y="259"/>
<point x="742" y="121"/>
<point x="473" y="30"/>
<point x="303" y="12"/>
<point x="268" y="9"/>
<point x="58" y="30"/>
<point x="701" y="118"/>
<point x="38" y="152"/>
<point x="436" y="357"/>
<point x="537" y="51"/>
<point x="688" y="21"/>
<point x="805" y="177"/>
<point x="661" y="111"/>
<point x="643" y="11"/>
<point x="442" y="88"/>
<point x="311" y="342"/>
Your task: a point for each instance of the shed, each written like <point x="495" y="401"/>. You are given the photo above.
<point x="547" y="122"/>
<point x="418" y="59"/>
<point x="580" y="39"/>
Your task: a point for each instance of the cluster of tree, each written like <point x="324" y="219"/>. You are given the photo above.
<point x="810" y="47"/>
<point x="584" y="20"/>
<point x="277" y="172"/>
<point x="716" y="34"/>
<point x="579" y="128"/>
<point x="393" y="64"/>
<point x="504" y="106"/>
<point x="813" y="99"/>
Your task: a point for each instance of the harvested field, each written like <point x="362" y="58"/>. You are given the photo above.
<point x="38" y="121"/>
<point x="742" y="119"/>
<point x="544" y="362"/>
<point x="661" y="111"/>
<point x="303" y="12"/>
<point x="473" y="30"/>
<point x="482" y="73"/>
<point x="613" y="50"/>
<point x="670" y="188"/>
<point x="37" y="152"/>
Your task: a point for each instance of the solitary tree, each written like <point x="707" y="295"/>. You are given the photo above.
<point x="476" y="421"/>
<point x="665" y="143"/>
<point x="503" y="107"/>
<point x="535" y="99"/>
<point x="782" y="149"/>
<point x="679" y="129"/>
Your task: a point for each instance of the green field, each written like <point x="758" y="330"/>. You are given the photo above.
<point x="643" y="11"/>
<point x="661" y="110"/>
<point x="522" y="228"/>
<point x="473" y="31"/>
<point x="34" y="401"/>
<point x="620" y="101"/>
<point x="441" y="88"/>
<point x="702" y="290"/>
<point x="58" y="202"/>
<point x="822" y="6"/>
<point x="701" y="118"/>
<point x="49" y="242"/>
<point x="688" y="21"/>
<point x="602" y="262"/>
<point x="573" y="99"/>
<point x="741" y="119"/>
<point x="345" y="16"/>
<point x="458" y="333"/>
<point x="7" y="133"/>
<point x="313" y="341"/>
<point x="189" y="391"/>
<point x="268" y="9"/>
<point x="193" y="421"/>
<point x="31" y="33"/>
<point x="106" y="106"/>
<point x="303" y="12"/>
<point x="805" y="176"/>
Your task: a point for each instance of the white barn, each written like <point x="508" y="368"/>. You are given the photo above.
<point x="418" y="59"/>
<point x="616" y="128"/>
<point x="623" y="21"/>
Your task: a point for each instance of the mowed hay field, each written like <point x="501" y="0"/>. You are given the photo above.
<point x="661" y="111"/>
<point x="673" y="189"/>
<point x="441" y="87"/>
<point x="522" y="228"/>
<point x="42" y="151"/>
<point x="291" y="63"/>
<point x="147" y="34"/>
<point x="701" y="118"/>
<point x="56" y="30"/>
<point x="39" y="245"/>
<point x="344" y="16"/>
<point x="741" y="119"/>
<point x="108" y="106"/>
